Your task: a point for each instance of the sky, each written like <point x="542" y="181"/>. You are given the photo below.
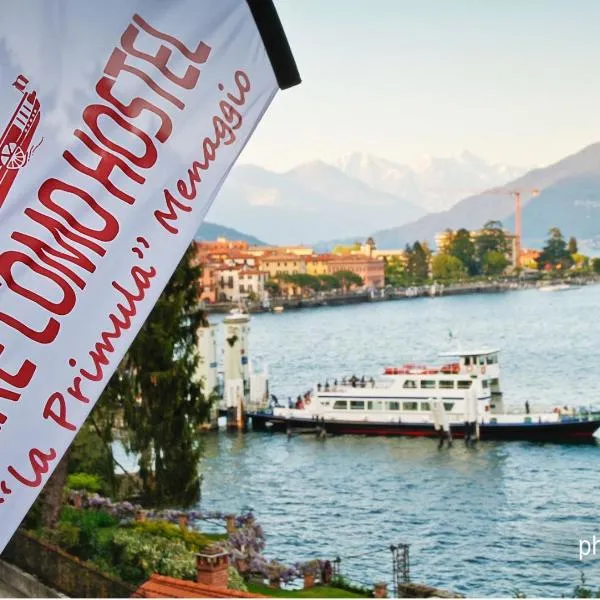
<point x="513" y="81"/>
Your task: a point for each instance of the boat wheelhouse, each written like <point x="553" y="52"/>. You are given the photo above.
<point x="421" y="400"/>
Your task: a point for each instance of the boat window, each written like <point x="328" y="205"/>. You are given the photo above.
<point x="446" y="384"/>
<point x="409" y="405"/>
<point x="428" y="383"/>
<point x="394" y="406"/>
<point x="357" y="405"/>
<point x="485" y="384"/>
<point x="482" y="360"/>
<point x="490" y="359"/>
<point x="410" y="383"/>
<point x="448" y="405"/>
<point x="464" y="385"/>
<point x="467" y="360"/>
<point x="374" y="405"/>
<point x="340" y="404"/>
<point x="494" y="381"/>
<point x="425" y="406"/>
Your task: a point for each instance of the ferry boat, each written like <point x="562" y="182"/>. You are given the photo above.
<point x="460" y="397"/>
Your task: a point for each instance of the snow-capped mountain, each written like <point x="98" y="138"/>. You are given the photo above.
<point x="312" y="202"/>
<point x="435" y="184"/>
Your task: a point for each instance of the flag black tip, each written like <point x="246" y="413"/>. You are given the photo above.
<point x="276" y="43"/>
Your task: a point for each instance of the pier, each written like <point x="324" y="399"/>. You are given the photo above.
<point x="241" y="387"/>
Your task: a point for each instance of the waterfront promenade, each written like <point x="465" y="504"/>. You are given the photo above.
<point x="389" y="293"/>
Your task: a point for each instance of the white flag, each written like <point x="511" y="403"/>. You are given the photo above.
<point x="119" y="122"/>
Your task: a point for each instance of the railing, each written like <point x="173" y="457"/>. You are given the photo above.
<point x="61" y="571"/>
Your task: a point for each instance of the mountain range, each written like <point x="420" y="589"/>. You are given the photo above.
<point x="209" y="232"/>
<point x="362" y="195"/>
<point x="434" y="184"/>
<point x="312" y="202"/>
<point x="569" y="198"/>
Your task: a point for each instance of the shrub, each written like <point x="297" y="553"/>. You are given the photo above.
<point x="90" y="524"/>
<point x="138" y="556"/>
<point x="92" y="519"/>
<point x="84" y="481"/>
<point x="192" y="539"/>
<point x="235" y="580"/>
<point x="66" y="535"/>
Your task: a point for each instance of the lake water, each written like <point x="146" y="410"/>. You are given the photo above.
<point x="483" y="521"/>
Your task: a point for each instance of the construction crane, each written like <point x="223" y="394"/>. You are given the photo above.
<point x="516" y="194"/>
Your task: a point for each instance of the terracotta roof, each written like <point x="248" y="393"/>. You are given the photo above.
<point x="222" y="267"/>
<point x="159" y="586"/>
<point x="282" y="257"/>
<point x="354" y="258"/>
<point x="320" y="258"/>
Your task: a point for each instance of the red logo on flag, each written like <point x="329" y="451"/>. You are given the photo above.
<point x="16" y="140"/>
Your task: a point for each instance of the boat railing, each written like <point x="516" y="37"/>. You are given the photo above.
<point x="348" y="387"/>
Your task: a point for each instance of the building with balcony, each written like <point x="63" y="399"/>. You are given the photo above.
<point x="236" y="284"/>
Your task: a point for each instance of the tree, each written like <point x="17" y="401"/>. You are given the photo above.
<point x="596" y="265"/>
<point x="418" y="262"/>
<point x="303" y="281"/>
<point x="347" y="279"/>
<point x="572" y="246"/>
<point x="494" y="263"/>
<point x="327" y="282"/>
<point x="447" y="267"/>
<point x="395" y="272"/>
<point x="272" y="286"/>
<point x="165" y="405"/>
<point x="462" y="247"/>
<point x="555" y="252"/>
<point x="491" y="239"/>
<point x="580" y="261"/>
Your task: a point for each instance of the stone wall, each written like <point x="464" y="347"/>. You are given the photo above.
<point x="416" y="590"/>
<point x="24" y="583"/>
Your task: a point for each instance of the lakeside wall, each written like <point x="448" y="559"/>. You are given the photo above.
<point x="455" y="289"/>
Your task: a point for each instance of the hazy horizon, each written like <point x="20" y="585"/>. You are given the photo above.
<point x="513" y="83"/>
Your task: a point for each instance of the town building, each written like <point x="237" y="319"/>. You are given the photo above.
<point x="443" y="242"/>
<point x="267" y="250"/>
<point x="235" y="284"/>
<point x="370" y="270"/>
<point x="281" y="263"/>
<point x="368" y="247"/>
<point x="529" y="258"/>
<point x="387" y="255"/>
<point x="318" y="264"/>
<point x="220" y="244"/>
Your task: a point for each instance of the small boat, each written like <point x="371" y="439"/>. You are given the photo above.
<point x="278" y="309"/>
<point x="462" y="396"/>
<point x="558" y="287"/>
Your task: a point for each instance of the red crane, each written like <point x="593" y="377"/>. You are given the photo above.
<point x="516" y="194"/>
